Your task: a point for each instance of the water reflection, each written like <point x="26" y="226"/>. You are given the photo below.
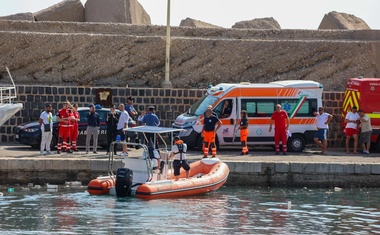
<point x="230" y="210"/>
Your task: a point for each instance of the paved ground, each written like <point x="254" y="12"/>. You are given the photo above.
<point x="257" y="154"/>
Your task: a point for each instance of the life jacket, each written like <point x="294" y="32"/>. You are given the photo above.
<point x="179" y="144"/>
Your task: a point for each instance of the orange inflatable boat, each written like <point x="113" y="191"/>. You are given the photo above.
<point x="150" y="176"/>
<point x="205" y="176"/>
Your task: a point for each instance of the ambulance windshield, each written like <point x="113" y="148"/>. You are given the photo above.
<point x="201" y="105"/>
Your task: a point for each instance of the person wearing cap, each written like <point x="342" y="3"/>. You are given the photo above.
<point x="178" y="153"/>
<point x="150" y="119"/>
<point x="352" y="120"/>
<point x="93" y="126"/>
<point x="320" y="137"/>
<point x="130" y="109"/>
<point x="366" y="131"/>
<point x="112" y="119"/>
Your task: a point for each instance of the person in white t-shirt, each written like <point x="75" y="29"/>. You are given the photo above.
<point x="122" y="124"/>
<point x="320" y="137"/>
<point x="46" y="125"/>
<point x="352" y="120"/>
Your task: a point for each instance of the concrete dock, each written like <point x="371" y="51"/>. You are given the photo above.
<point x="22" y="165"/>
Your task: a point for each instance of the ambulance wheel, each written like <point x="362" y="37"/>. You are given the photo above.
<point x="296" y="143"/>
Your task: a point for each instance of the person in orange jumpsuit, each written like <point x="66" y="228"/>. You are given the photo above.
<point x="243" y="127"/>
<point x="211" y="124"/>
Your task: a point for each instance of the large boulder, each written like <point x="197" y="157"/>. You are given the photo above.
<point x="116" y="11"/>
<point x="258" y="23"/>
<point x="338" y="20"/>
<point x="20" y="16"/>
<point x="67" y="10"/>
<point x="197" y="23"/>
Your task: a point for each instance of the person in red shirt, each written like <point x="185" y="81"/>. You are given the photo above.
<point x="74" y="128"/>
<point x="64" y="128"/>
<point x="281" y="126"/>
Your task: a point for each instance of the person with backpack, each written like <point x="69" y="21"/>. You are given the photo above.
<point x="179" y="154"/>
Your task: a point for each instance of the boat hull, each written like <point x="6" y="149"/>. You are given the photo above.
<point x="100" y="185"/>
<point x="8" y="110"/>
<point x="205" y="176"/>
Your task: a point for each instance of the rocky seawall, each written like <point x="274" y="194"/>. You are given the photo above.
<point x="120" y="55"/>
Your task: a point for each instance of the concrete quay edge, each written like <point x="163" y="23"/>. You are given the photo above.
<point x="260" y="168"/>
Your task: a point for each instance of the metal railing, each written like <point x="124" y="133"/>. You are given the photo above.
<point x="8" y="93"/>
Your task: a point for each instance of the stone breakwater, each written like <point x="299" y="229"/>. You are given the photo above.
<point x="96" y="54"/>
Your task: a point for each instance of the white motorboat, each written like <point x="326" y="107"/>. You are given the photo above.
<point x="7" y="96"/>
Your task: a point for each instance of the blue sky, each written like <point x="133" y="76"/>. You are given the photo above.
<point x="290" y="14"/>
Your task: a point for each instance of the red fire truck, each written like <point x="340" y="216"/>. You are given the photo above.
<point x="364" y="93"/>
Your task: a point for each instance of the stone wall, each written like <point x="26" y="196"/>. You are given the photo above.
<point x="169" y="104"/>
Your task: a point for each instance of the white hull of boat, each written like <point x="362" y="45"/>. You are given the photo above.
<point x="8" y="110"/>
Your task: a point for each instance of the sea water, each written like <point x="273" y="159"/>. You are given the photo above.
<point x="230" y="210"/>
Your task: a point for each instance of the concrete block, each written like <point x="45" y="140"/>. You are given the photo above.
<point x="375" y="169"/>
<point x="68" y="10"/>
<point x="57" y="164"/>
<point x="362" y="169"/>
<point x="26" y="164"/>
<point x="310" y="168"/>
<point x="98" y="165"/>
<point x="231" y="166"/>
<point x="296" y="167"/>
<point x="4" y="164"/>
<point x="257" y="167"/>
<point x="322" y="168"/>
<point x="244" y="167"/>
<point x="339" y="168"/>
<point x="282" y="167"/>
<point x="79" y="165"/>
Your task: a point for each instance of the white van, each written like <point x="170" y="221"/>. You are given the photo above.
<point x="300" y="99"/>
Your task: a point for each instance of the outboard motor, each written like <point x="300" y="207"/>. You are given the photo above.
<point x="123" y="185"/>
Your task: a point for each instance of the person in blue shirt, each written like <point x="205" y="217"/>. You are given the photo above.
<point x="150" y="119"/>
<point x="130" y="109"/>
<point x="93" y="126"/>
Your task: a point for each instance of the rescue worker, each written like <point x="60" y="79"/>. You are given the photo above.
<point x="243" y="127"/>
<point x="75" y="118"/>
<point x="281" y="126"/>
<point x="179" y="154"/>
<point x="211" y="124"/>
<point x="64" y="129"/>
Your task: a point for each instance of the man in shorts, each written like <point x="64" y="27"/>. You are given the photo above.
<point x="179" y="154"/>
<point x="366" y="131"/>
<point x="352" y="120"/>
<point x="320" y="137"/>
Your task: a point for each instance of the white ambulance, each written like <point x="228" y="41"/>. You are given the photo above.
<point x="300" y="99"/>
